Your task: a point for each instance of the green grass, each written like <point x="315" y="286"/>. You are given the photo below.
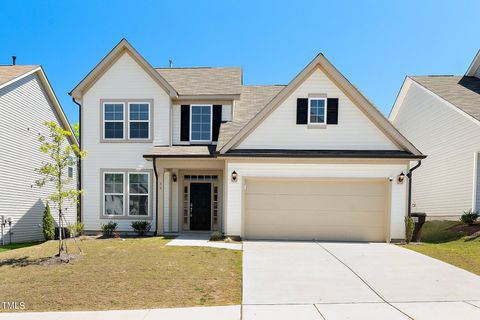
<point x="134" y="273"/>
<point x="14" y="246"/>
<point x="440" y="242"/>
<point x="438" y="231"/>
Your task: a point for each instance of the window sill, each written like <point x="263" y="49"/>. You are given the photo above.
<point x="126" y="217"/>
<point x="317" y="126"/>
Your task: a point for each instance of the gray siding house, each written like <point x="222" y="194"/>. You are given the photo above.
<point x="441" y="116"/>
<point x="26" y="102"/>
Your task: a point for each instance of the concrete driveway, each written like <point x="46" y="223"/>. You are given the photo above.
<point x="316" y="280"/>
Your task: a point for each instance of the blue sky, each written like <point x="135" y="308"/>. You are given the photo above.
<point x="373" y="43"/>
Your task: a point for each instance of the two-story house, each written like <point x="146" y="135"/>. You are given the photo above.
<point x="194" y="149"/>
<point x="27" y="100"/>
<point x="441" y="115"/>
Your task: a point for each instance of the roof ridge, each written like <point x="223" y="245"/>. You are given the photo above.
<point x="181" y="68"/>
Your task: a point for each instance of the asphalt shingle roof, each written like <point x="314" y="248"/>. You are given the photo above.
<point x="461" y="91"/>
<point x="204" y="81"/>
<point x="252" y="100"/>
<point x="8" y="73"/>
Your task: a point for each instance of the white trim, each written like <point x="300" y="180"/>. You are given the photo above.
<point x="324" y="111"/>
<point x="147" y="121"/>
<point x="474" y="65"/>
<point x="138" y="194"/>
<point x="406" y="86"/>
<point x="123" y="121"/>
<point x="113" y="194"/>
<point x="475" y="180"/>
<point x="211" y="124"/>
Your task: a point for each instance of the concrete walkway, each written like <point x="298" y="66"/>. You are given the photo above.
<point x="197" y="313"/>
<point x="332" y="281"/>
<point x="202" y="240"/>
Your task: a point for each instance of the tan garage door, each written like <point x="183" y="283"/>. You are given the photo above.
<point x="338" y="210"/>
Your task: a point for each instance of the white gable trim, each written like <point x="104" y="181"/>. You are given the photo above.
<point x="343" y="84"/>
<point x="474" y="66"/>
<point x="122" y="47"/>
<point x="407" y="84"/>
<point x="52" y="97"/>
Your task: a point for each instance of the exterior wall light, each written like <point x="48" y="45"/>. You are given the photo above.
<point x="400" y="178"/>
<point x="234" y="176"/>
<point x="174" y="177"/>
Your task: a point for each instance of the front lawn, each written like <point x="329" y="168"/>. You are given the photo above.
<point x="451" y="242"/>
<point x="121" y="274"/>
<point x="13" y="246"/>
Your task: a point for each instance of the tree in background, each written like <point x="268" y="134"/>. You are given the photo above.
<point x="62" y="155"/>
<point x="48" y="224"/>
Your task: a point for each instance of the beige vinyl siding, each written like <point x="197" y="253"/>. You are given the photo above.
<point x="226" y="112"/>
<point x="124" y="80"/>
<point x="25" y="106"/>
<point x="443" y="185"/>
<point x="309" y="209"/>
<point x="477" y="182"/>
<point x="303" y="169"/>
<point x="354" y="130"/>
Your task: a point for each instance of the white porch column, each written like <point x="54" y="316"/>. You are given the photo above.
<point x="166" y="201"/>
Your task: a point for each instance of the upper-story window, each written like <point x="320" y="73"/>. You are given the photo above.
<point x="127" y="120"/>
<point x="139" y="120"/>
<point x="201" y="123"/>
<point x="113" y="120"/>
<point x="317" y="110"/>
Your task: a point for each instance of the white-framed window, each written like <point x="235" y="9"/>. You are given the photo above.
<point x="138" y="193"/>
<point x="70" y="172"/>
<point x="201" y="123"/>
<point x="139" y="120"/>
<point x="317" y="110"/>
<point x="114" y="193"/>
<point x="113" y="120"/>
<point x="71" y="163"/>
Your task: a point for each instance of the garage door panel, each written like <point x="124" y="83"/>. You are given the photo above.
<point x="321" y="210"/>
<point x="300" y="203"/>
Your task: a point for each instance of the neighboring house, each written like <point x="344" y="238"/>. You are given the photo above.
<point x="441" y="116"/>
<point x="193" y="149"/>
<point x="26" y="101"/>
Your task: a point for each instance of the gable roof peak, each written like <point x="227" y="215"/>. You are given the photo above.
<point x="121" y="47"/>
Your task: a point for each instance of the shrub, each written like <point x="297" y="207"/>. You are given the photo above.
<point x="109" y="228"/>
<point x="469" y="217"/>
<point x="76" y="229"/>
<point x="48" y="224"/>
<point x="141" y="227"/>
<point x="216" y="236"/>
<point x="409" y="228"/>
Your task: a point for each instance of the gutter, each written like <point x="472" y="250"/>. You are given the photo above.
<point x="79" y="166"/>
<point x="156" y="195"/>
<point x="409" y="176"/>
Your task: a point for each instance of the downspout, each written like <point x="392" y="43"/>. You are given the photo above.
<point x="156" y="194"/>
<point x="409" y="176"/>
<point x="79" y="166"/>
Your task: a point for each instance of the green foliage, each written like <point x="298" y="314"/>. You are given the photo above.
<point x="141" y="227"/>
<point x="469" y="217"/>
<point x="54" y="172"/>
<point x="109" y="228"/>
<point x="48" y="224"/>
<point x="216" y="236"/>
<point x="76" y="229"/>
<point x="76" y="129"/>
<point x="440" y="231"/>
<point x="409" y="228"/>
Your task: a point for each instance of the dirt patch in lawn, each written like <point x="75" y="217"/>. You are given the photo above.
<point x="466" y="229"/>
<point x="121" y="274"/>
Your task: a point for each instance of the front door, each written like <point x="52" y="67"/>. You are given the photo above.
<point x="200" y="206"/>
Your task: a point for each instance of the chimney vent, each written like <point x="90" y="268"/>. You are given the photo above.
<point x="170" y="62"/>
<point x="14" y="59"/>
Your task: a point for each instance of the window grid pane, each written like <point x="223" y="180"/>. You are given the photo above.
<point x="114" y="196"/>
<point x="138" y="194"/>
<point x="113" y="118"/>
<point x="317" y="111"/>
<point x="139" y="120"/>
<point x="201" y="123"/>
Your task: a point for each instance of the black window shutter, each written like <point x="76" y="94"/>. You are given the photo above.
<point x="332" y="111"/>
<point x="217" y="120"/>
<point x="185" y="123"/>
<point x="302" y="111"/>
